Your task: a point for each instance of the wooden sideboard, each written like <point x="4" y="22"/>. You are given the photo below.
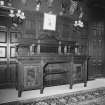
<point x="33" y="72"/>
<point x="49" y="62"/>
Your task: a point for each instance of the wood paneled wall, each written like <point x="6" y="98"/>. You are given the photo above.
<point x="8" y="40"/>
<point x="91" y="38"/>
<point x="96" y="49"/>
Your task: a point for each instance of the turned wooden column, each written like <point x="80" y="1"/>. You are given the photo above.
<point x="59" y="48"/>
<point x="65" y="49"/>
<point x="38" y="47"/>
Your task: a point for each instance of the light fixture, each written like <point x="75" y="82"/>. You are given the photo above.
<point x="17" y="16"/>
<point x="1" y="3"/>
<point x="79" y="22"/>
<point x="38" y="4"/>
<point x="50" y="3"/>
<point x="6" y="3"/>
<point x="11" y="13"/>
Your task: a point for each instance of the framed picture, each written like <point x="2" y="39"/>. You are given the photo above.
<point x="14" y="37"/>
<point x="12" y="52"/>
<point x="3" y="52"/>
<point x="49" y="22"/>
<point x="3" y="37"/>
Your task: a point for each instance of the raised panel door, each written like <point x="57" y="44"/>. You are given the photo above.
<point x="32" y="77"/>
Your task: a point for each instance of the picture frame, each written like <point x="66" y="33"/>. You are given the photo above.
<point x="3" y="37"/>
<point x="12" y="52"/>
<point x="3" y="51"/>
<point x="14" y="36"/>
<point x="49" y="22"/>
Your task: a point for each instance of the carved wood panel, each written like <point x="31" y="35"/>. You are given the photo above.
<point x="32" y="76"/>
<point x="96" y="49"/>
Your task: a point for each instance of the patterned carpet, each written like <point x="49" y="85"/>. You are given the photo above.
<point x="85" y="97"/>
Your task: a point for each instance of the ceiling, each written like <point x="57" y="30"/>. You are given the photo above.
<point x="96" y="9"/>
<point x="95" y="3"/>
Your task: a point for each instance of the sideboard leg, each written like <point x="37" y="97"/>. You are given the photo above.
<point x="41" y="90"/>
<point x="19" y="93"/>
<point x="85" y="84"/>
<point x="71" y="86"/>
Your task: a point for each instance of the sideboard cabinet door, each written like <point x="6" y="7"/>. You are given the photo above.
<point x="30" y="76"/>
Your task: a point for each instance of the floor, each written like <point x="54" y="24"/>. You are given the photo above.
<point x="8" y="95"/>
